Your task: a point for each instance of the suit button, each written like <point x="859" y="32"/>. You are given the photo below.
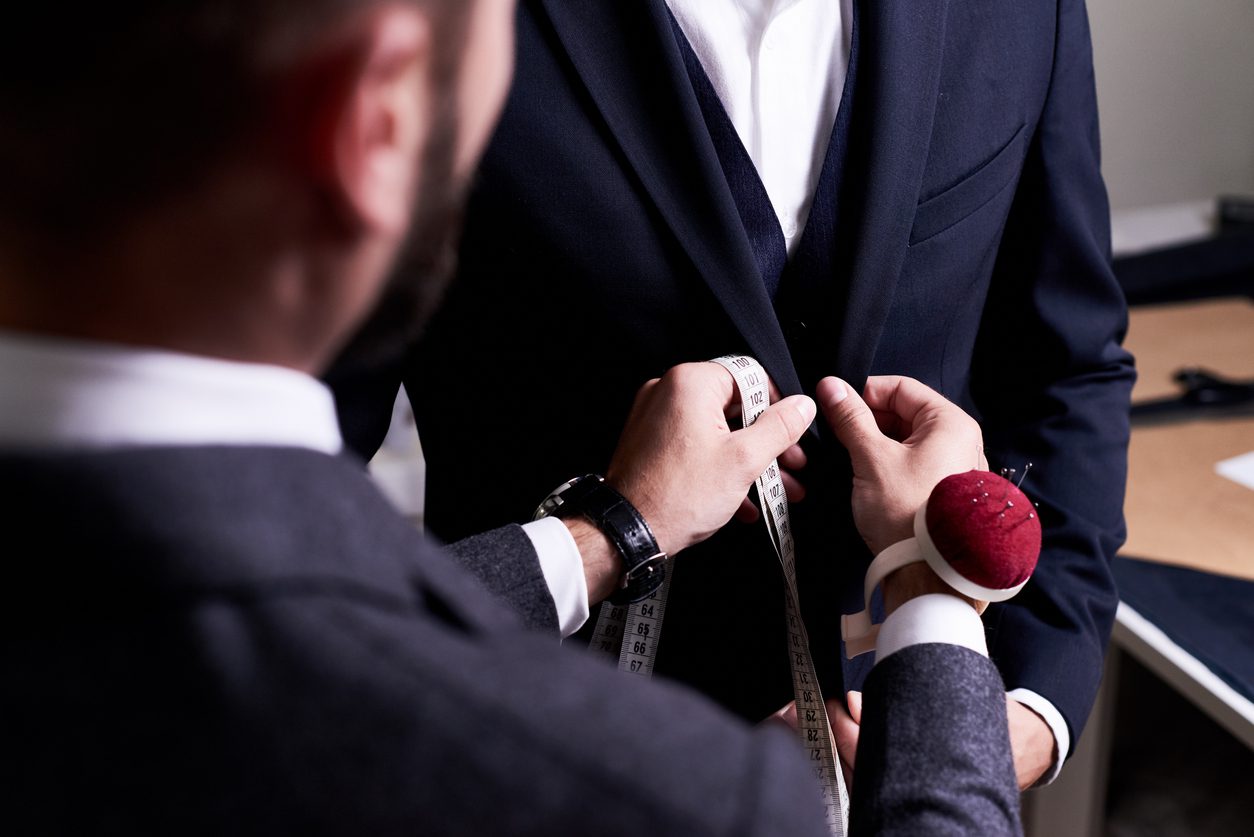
<point x="796" y="332"/>
<point x="801" y="345"/>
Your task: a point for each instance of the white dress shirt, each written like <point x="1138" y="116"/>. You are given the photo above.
<point x="779" y="69"/>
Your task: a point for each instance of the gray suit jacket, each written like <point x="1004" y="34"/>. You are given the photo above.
<point x="249" y="641"/>
<point x="934" y="751"/>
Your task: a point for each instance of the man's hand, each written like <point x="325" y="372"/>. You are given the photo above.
<point x="845" y="719"/>
<point x="902" y="439"/>
<point x="1031" y="742"/>
<point x="791" y="462"/>
<point x="680" y="463"/>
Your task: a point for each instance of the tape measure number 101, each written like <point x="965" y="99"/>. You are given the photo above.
<point x="634" y="631"/>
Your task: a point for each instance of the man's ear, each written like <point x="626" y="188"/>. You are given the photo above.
<point x="369" y="121"/>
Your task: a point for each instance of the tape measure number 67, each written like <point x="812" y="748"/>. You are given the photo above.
<point x="634" y="631"/>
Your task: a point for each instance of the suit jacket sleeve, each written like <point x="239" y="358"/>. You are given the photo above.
<point x="442" y="722"/>
<point x="505" y="563"/>
<point x="1052" y="385"/>
<point x="934" y="751"/>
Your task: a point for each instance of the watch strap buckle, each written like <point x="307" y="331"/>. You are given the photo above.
<point x="654" y="564"/>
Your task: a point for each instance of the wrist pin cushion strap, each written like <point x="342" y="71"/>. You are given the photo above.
<point x="977" y="531"/>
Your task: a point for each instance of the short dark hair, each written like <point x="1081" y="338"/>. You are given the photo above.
<point x="105" y="106"/>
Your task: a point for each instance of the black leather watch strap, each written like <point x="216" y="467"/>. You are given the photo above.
<point x="618" y="519"/>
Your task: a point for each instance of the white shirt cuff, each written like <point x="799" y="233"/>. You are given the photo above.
<point x="936" y="617"/>
<point x="562" y="566"/>
<point x="1053" y="719"/>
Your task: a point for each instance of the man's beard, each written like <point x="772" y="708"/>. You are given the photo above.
<point x="425" y="265"/>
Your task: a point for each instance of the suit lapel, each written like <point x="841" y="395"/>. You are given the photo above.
<point x="901" y="44"/>
<point x="634" y="73"/>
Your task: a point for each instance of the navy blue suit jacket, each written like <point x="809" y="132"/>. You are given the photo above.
<point x="602" y="246"/>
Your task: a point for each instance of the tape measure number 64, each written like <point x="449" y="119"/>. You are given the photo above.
<point x="634" y="631"/>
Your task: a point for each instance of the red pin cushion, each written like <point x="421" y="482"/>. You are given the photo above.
<point x="980" y="534"/>
<point x="977" y="531"/>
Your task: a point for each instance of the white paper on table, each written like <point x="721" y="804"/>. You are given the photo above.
<point x="1239" y="469"/>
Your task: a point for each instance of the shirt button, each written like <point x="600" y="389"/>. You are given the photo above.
<point x="790" y="229"/>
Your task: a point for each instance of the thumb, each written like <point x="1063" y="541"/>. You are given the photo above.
<point x="851" y="420"/>
<point x="854" y="699"/>
<point x="779" y="427"/>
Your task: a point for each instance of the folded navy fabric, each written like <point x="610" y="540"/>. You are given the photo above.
<point x="1209" y="616"/>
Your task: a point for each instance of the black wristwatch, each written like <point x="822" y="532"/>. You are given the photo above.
<point x="618" y="519"/>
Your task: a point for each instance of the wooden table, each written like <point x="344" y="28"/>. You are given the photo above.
<point x="1179" y="510"/>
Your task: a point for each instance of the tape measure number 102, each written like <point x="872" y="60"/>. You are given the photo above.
<point x="634" y="631"/>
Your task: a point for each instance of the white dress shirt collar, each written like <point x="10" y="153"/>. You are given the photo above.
<point x="65" y="394"/>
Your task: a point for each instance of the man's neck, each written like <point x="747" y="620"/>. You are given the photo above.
<point x="159" y="309"/>
<point x="216" y="275"/>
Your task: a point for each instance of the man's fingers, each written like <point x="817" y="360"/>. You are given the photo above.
<point x="1031" y="742"/>
<point x="903" y="397"/>
<point x="854" y="699"/>
<point x="795" y="491"/>
<point x="777" y="429"/>
<point x="922" y="414"/>
<point x="773" y="391"/>
<point x="723" y="383"/>
<point x="891" y="425"/>
<point x="793" y="459"/>
<point x="913" y="412"/>
<point x="845" y="732"/>
<point x="786" y="716"/>
<point x="747" y="513"/>
<point x="851" y="420"/>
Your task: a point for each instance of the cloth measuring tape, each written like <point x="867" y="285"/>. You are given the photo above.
<point x="635" y="630"/>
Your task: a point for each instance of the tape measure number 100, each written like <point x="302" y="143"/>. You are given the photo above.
<point x="634" y="631"/>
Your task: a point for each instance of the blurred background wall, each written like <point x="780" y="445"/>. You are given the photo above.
<point x="1175" y="85"/>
